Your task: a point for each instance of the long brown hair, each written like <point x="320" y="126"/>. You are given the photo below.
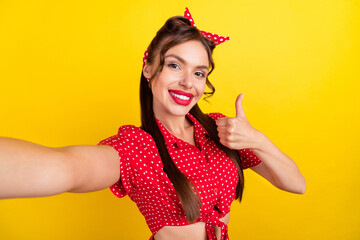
<point x="177" y="30"/>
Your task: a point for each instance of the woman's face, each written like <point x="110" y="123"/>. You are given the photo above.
<point x="181" y="83"/>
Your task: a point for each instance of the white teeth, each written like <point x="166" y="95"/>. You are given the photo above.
<point x="180" y="96"/>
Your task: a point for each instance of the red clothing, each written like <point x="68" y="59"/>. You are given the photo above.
<point x="206" y="166"/>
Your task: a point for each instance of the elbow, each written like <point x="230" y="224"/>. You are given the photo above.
<point x="301" y="188"/>
<point x="299" y="185"/>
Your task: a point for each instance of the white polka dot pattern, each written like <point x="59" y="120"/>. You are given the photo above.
<point x="206" y="166"/>
<point x="215" y="38"/>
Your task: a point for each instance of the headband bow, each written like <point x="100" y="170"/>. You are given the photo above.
<point x="215" y="38"/>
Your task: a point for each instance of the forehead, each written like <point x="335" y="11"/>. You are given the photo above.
<point x="192" y="52"/>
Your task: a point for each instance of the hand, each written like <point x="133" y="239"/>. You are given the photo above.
<point x="236" y="132"/>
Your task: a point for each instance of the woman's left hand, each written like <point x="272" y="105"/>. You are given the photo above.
<point x="236" y="132"/>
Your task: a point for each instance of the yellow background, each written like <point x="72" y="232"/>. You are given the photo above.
<point x="70" y="73"/>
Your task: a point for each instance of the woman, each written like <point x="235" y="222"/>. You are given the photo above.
<point x="183" y="168"/>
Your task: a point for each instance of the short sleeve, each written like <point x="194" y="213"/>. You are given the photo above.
<point x="248" y="157"/>
<point x="216" y="116"/>
<point x="123" y="144"/>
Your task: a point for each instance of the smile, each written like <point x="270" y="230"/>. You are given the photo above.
<point x="180" y="97"/>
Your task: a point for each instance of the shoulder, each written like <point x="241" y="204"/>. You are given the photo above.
<point x="128" y="135"/>
<point x="131" y="131"/>
<point x="216" y="115"/>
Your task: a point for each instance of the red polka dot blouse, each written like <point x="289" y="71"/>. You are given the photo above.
<point x="206" y="166"/>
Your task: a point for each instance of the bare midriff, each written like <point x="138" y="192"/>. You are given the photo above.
<point x="195" y="231"/>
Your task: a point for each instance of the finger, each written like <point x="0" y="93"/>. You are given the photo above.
<point x="222" y="135"/>
<point x="238" y="105"/>
<point x="222" y="121"/>
<point x="223" y="129"/>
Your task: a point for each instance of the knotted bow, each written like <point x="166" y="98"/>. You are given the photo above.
<point x="215" y="38"/>
<point x="212" y="219"/>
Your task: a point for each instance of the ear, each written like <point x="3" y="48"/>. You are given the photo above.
<point x="147" y="70"/>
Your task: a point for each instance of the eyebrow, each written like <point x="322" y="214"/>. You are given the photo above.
<point x="183" y="61"/>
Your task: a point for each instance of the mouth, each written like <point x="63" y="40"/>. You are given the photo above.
<point x="181" y="97"/>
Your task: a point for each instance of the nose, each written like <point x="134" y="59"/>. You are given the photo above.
<point x="187" y="80"/>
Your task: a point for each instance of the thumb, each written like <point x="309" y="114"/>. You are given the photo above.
<point x="238" y="105"/>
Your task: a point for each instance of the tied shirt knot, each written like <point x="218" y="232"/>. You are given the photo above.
<point x="212" y="220"/>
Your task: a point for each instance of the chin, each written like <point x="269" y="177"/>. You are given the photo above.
<point x="181" y="110"/>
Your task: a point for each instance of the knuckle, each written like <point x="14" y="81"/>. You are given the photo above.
<point x="230" y="129"/>
<point x="227" y="137"/>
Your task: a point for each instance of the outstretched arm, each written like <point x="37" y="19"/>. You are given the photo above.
<point x="279" y="169"/>
<point x="31" y="170"/>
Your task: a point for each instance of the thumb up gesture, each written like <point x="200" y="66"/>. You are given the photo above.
<point x="236" y="132"/>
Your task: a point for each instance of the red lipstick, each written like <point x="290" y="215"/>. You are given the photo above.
<point x="182" y="93"/>
<point x="180" y="97"/>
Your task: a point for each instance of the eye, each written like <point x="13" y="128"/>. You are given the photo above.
<point x="173" y="65"/>
<point x="200" y="74"/>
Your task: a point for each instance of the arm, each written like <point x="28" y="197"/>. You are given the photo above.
<point x="31" y="170"/>
<point x="280" y="170"/>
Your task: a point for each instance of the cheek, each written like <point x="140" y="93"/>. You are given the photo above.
<point x="156" y="89"/>
<point x="157" y="85"/>
<point x="201" y="88"/>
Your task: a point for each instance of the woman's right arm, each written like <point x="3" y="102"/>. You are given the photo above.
<point x="31" y="170"/>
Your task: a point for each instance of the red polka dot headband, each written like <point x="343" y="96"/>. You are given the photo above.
<point x="215" y="38"/>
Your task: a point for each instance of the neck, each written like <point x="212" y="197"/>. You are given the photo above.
<point x="175" y="124"/>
